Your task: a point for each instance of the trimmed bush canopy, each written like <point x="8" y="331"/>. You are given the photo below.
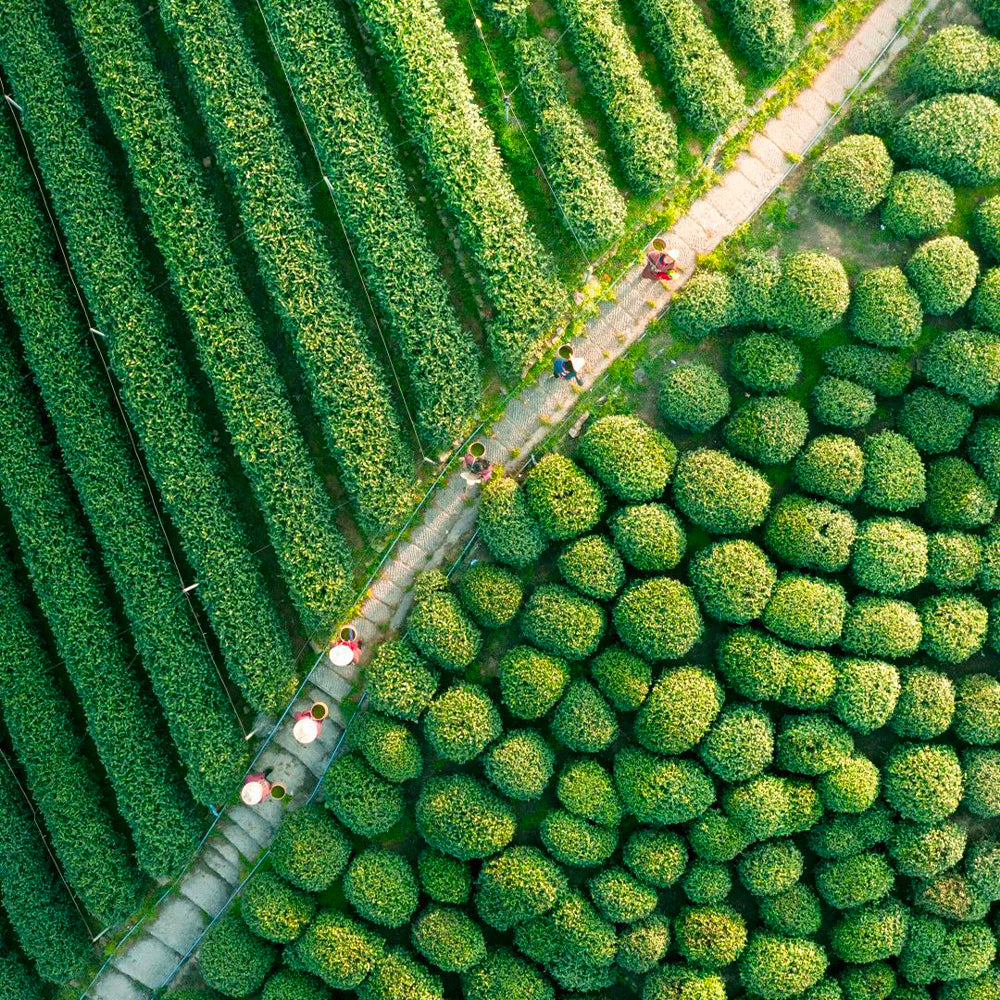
<point x="851" y="177"/>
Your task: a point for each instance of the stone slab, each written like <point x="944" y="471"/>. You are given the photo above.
<point x="148" y="961"/>
<point x="178" y="923"/>
<point x="205" y="889"/>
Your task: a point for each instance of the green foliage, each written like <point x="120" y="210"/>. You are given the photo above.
<point x="769" y="868"/>
<point x="936" y="951"/>
<point x="965" y="363"/>
<point x="756" y="276"/>
<point x="381" y="886"/>
<point x="531" y="682"/>
<point x="764" y="32"/>
<point x="702" y="77"/>
<point x="704" y="303"/>
<point x="693" y="396"/>
<point x="954" y="135"/>
<point x="444" y="878"/>
<point x="934" y="422"/>
<point x="574" y="842"/>
<point x="623" y="677"/>
<point x="462" y="817"/>
<point x="399" y="681"/>
<point x="643" y="134"/>
<point x="680" y="708"/>
<point x="714" y="837"/>
<point x="772" y="806"/>
<point x="642" y="945"/>
<point x="656" y="856"/>
<point x="520" y="765"/>
<point x="503" y="975"/>
<point x="981" y="769"/>
<point x="885" y="310"/>
<point x="922" y="782"/>
<point x="733" y="580"/>
<point x="831" y="466"/>
<point x="868" y="982"/>
<point x="448" y="939"/>
<point x="977" y="709"/>
<point x="443" y="632"/>
<point x="517" y="885"/>
<point x="986" y="226"/>
<point x="957" y="58"/>
<point x="794" y="912"/>
<point x="943" y="272"/>
<point x="895" y="478"/>
<point x="341" y="951"/>
<point x="926" y="704"/>
<point x="586" y="789"/>
<point x="956" y="496"/>
<point x="565" y="501"/>
<point x="881" y="626"/>
<point x="399" y="976"/>
<point x="983" y="447"/>
<point x="918" y="204"/>
<point x="852" y="176"/>
<point x="720" y="493"/>
<point x="491" y="594"/>
<point x="851" y="787"/>
<point x="681" y="982"/>
<point x="813" y="293"/>
<point x="989" y="568"/>
<point x="506" y="524"/>
<point x="979" y="988"/>
<point x="849" y="882"/>
<point x="768" y="430"/>
<point x="806" y="610"/>
<point x="18" y="983"/>
<point x="388" y="746"/>
<point x="810" y="534"/>
<point x="707" y="882"/>
<point x="562" y="623"/>
<point x="753" y="663"/>
<point x="765" y="362"/>
<point x="884" y="372"/>
<point x="838" y="402"/>
<point x="870" y="933"/>
<point x="739" y="744"/>
<point x="982" y="865"/>
<point x="809" y="679"/>
<point x="622" y="898"/>
<point x="890" y="555"/>
<point x="921" y="850"/>
<point x="844" y="835"/>
<point x="710" y="936"/>
<point x="774" y="967"/>
<point x="461" y="722"/>
<point x="661" y="790"/>
<point x="985" y="305"/>
<point x="954" y="626"/>
<point x="629" y="458"/>
<point x="310" y="850"/>
<point x="953" y="559"/>
<point x="658" y="618"/>
<point x="812" y="744"/>
<point x="872" y="113"/>
<point x="649" y="536"/>
<point x="583" y="720"/>
<point x="364" y="802"/>
<point x="234" y="961"/>
<point x="591" y="566"/>
<point x="951" y="895"/>
<point x="273" y="910"/>
<point x="866" y="694"/>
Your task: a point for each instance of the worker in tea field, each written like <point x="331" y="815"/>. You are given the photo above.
<point x="565" y="366"/>
<point x="477" y="468"/>
<point x="661" y="264"/>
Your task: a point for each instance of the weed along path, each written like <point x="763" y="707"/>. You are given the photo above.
<point x="156" y="950"/>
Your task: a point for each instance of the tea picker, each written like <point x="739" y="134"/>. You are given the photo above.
<point x="256" y="788"/>
<point x="661" y="263"/>
<point x="476" y="467"/>
<point x="565" y="366"/>
<point x="347" y="649"/>
<point x="309" y="724"/>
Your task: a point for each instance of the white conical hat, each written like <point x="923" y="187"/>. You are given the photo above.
<point x="578" y="364"/>
<point x="341" y="655"/>
<point x="252" y="793"/>
<point x="305" y="730"/>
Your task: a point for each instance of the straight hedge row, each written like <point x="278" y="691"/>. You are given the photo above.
<point x="155" y="388"/>
<point x="108" y="480"/>
<point x="349" y="389"/>
<point x="464" y="166"/>
<point x="702" y="77"/>
<point x="50" y="931"/>
<point x="441" y="361"/>
<point x="643" y="133"/>
<point x="121" y="717"/>
<point x="93" y="854"/>
<point x="763" y="30"/>
<point x="17" y="981"/>
<point x="313" y="554"/>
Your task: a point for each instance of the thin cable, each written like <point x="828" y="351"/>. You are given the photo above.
<point x="347" y="238"/>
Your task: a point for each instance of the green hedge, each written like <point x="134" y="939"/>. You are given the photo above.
<point x="149" y="789"/>
<point x="885" y="310"/>
<point x="720" y="493"/>
<point x="693" y="396"/>
<point x="586" y="789"/>
<point x="461" y="722"/>
<point x="399" y="681"/>
<point x="531" y="682"/>
<point x="443" y="632"/>
<point x="491" y="594"/>
<point x="80" y="819"/>
<point x="943" y="272"/>
<point x="878" y="626"/>
<point x="884" y="372"/>
<point x="313" y="554"/>
<point x="158" y="394"/>
<point x="591" y="566"/>
<point x="649" y="536"/>
<point x="810" y="534"/>
<point x="733" y="580"/>
<point x="954" y="135"/>
<point x="564" y="500"/>
<point x="628" y="457"/>
<point x="463" y="166"/>
<point x="233" y="960"/>
<point x="310" y="850"/>
<point x="591" y="207"/>
<point x="562" y="623"/>
<point x="520" y="765"/>
<point x="508" y="528"/>
<point x="838" y="402"/>
<point x="852" y="176"/>
<point x="831" y="466"/>
<point x="681" y="707"/>
<point x="806" y="610"/>
<point x="765" y="362"/>
<point x="388" y="746"/>
<point x="768" y="430"/>
<point x="890" y="555"/>
<point x="662" y="790"/>
<point x="703" y="304"/>
<point x="518" y="885"/>
<point x="381" y="887"/>
<point x="958" y="58"/>
<point x="774" y="967"/>
<point x="702" y="77"/>
<point x="17" y="982"/>
<point x="764" y="31"/>
<point x="373" y="199"/>
<point x="362" y="800"/>
<point x="644" y="135"/>
<point x="737" y="747"/>
<point x="273" y="910"/>
<point x="895" y="478"/>
<point x="448" y="939"/>
<point x="922" y="781"/>
<point x="965" y="363"/>
<point x="341" y="951"/>
<point x="658" y="619"/>
<point x="812" y="294"/>
<point x="462" y="817"/>
<point x="583" y="721"/>
<point x="917" y="204"/>
<point x="934" y="422"/>
<point x="623" y="677"/>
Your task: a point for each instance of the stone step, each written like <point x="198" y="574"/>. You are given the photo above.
<point x="241" y="840"/>
<point x="312" y="755"/>
<point x="259" y="822"/>
<point x="205" y="889"/>
<point x="178" y="923"/>
<point x="115" y="985"/>
<point x="148" y="961"/>
<point x="331" y="683"/>
<point x="222" y="867"/>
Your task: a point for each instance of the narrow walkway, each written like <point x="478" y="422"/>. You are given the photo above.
<point x="151" y="956"/>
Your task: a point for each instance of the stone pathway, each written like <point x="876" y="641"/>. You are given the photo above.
<point x="152" y="955"/>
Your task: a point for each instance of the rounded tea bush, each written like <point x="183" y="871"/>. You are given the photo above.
<point x="922" y="850"/>
<point x="720" y="493"/>
<point x="956" y="496"/>
<point x="770" y="868"/>
<point x="531" y="682"/>
<point x="983" y="447"/>
<point x="362" y="800"/>
<point x="641" y="946"/>
<point x="870" y="933"/>
<point x="630" y="459"/>
<point x="926" y="704"/>
<point x="809" y="679"/>
<point x="873" y="113"/>
<point x="851" y="787"/>
<point x="886" y="373"/>
<point x="849" y="882"/>
<point x="682" y="981"/>
<point x="520" y="765"/>
<point x="733" y="580"/>
<point x="461" y="723"/>
<point x="813" y="293"/>
<point x="895" y="478"/>
<point x="704" y="304"/>
<point x="774" y="967"/>
<point x="922" y="781"/>
<point x="503" y="975"/>
<point x="953" y="559"/>
<point x="812" y="744"/>
<point x="444" y="878"/>
<point x="943" y="272"/>
<point x="714" y="837"/>
<point x="658" y="857"/>
<point x="965" y="363"/>
<point x="885" y="310"/>
<point x="310" y="850"/>
<point x="565" y="501"/>
<point x="460" y="816"/>
<point x="842" y="836"/>
<point x="852" y="176"/>
<point x="753" y="663"/>
<point x="934" y="422"/>
<point x="986" y="226"/>
<point x="710" y="936"/>
<point x="768" y="430"/>
<point x="381" y="887"/>
<point x="660" y="790"/>
<point x="693" y="396"/>
<point x="586" y="789"/>
<point x="831" y="466"/>
<point x="679" y="710"/>
<point x="890" y="555"/>
<point x="339" y="950"/>
<point x="620" y="897"/>
<point x="400" y="682"/>
<point x="442" y="631"/>
<point x="562" y="623"/>
<point x="954" y="135"/>
<point x="658" y="618"/>
<point x="985" y="305"/>
<point x="622" y="677"/>
<point x="517" y="885"/>
<point x="285" y="984"/>
<point x="707" y="882"/>
<point x="806" y="610"/>
<point x="882" y="626"/>
<point x="491" y="594"/>
<point x="583" y="720"/>
<point x="591" y="566"/>
<point x="739" y="745"/>
<point x="506" y="525"/>
<point x="981" y="769"/>
<point x="765" y="362"/>
<point x="918" y="204"/>
<point x="389" y="747"/>
<point x="957" y="58"/>
<point x="866" y="694"/>
<point x="954" y="626"/>
<point x="838" y="402"/>
<point x="273" y="910"/>
<point x="794" y="912"/>
<point x="448" y="939"/>
<point x="977" y="709"/>
<point x="649" y="537"/>
<point x="810" y="534"/>
<point x="574" y="842"/>
<point x="233" y="960"/>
